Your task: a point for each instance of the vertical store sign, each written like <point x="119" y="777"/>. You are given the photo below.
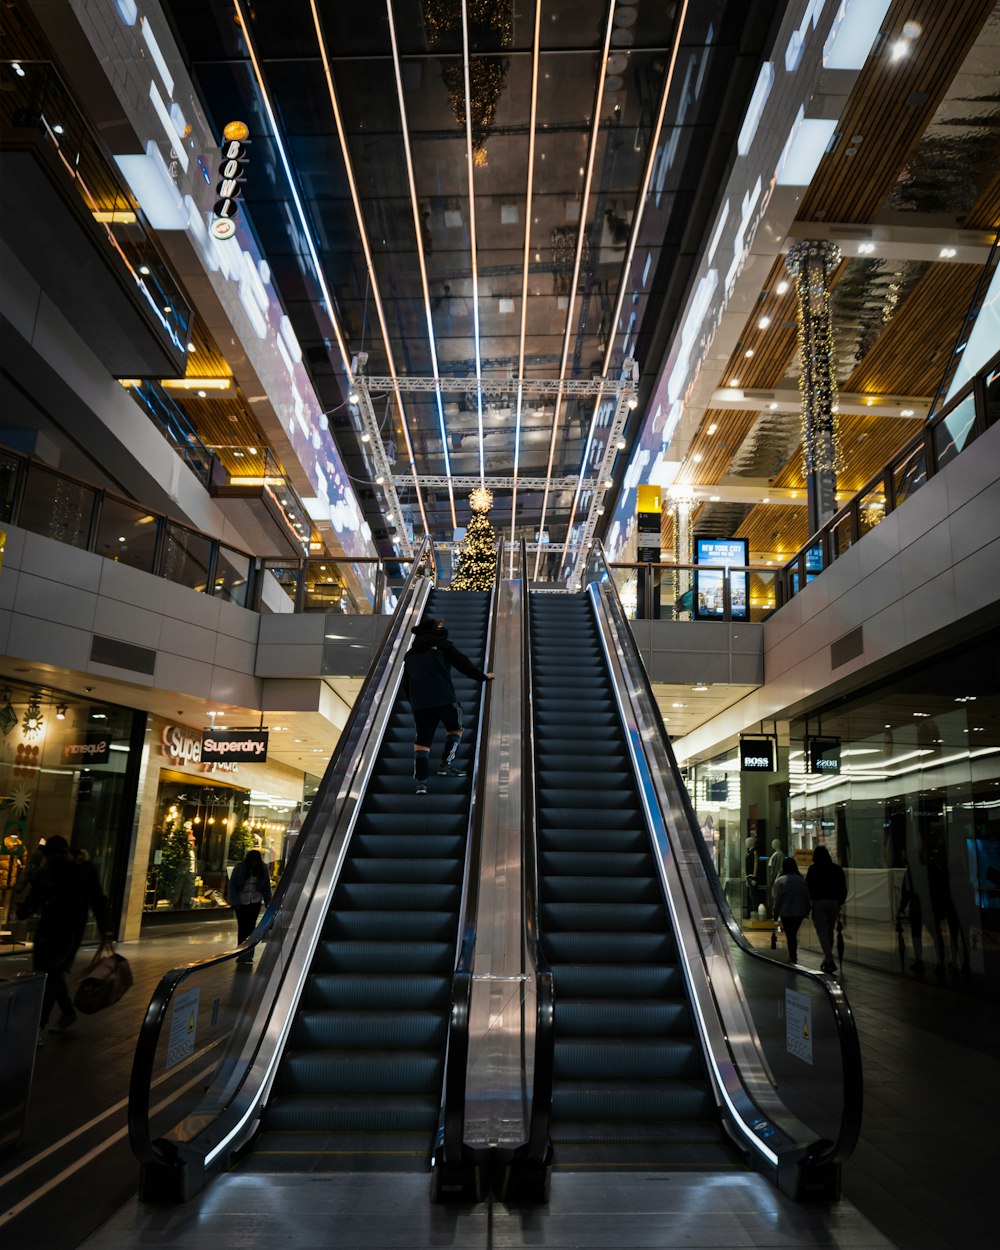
<point x="648" y="508"/>
<point x="234" y="151"/>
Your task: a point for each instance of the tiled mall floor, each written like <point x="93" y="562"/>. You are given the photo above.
<point x="922" y="1178"/>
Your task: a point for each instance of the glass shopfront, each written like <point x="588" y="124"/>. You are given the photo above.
<point x="203" y="818"/>
<point x="913" y="816"/>
<point x="69" y="767"/>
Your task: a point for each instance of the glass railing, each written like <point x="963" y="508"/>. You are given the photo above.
<point x="946" y="434"/>
<point x="35" y="99"/>
<point x="780" y="1041"/>
<point x="229" y="1015"/>
<point x="44" y="501"/>
<point x="275" y="488"/>
<point x="172" y="422"/>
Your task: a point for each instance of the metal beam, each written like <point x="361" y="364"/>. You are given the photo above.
<point x="897" y="242"/>
<point x="371" y="435"/>
<point x="501" y="483"/>
<point x="501" y="387"/>
<point x="854" y="403"/>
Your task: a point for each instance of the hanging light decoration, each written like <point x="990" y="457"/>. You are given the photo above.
<point x="812" y="263"/>
<point x="31" y="725"/>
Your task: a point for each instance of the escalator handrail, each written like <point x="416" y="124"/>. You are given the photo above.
<point x="457" y="1050"/>
<point x="846" y="1026"/>
<point x="342" y="765"/>
<point x="540" y="1119"/>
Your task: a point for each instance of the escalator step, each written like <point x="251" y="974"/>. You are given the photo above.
<point x="616" y="948"/>
<point x="607" y="918"/>
<point x="359" y="1072"/>
<point x="627" y="1058"/>
<point x="645" y="1100"/>
<point x="316" y="1113"/>
<point x="595" y="981"/>
<point x="399" y="957"/>
<point x="416" y="840"/>
<point x="579" y="818"/>
<point x="434" y="803"/>
<point x="618" y="840"/>
<point x="373" y="992"/>
<point x="388" y="924"/>
<point x="610" y="889"/>
<point x="436" y="872"/>
<point x="377" y="1030"/>
<point x="391" y="784"/>
<point x="610" y="757"/>
<point x="410" y="895"/>
<point x="620" y="1017"/>
<point x="594" y="799"/>
<point x="613" y="782"/>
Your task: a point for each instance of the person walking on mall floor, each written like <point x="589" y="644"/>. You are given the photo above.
<point x="828" y="891"/>
<point x="64" y="889"/>
<point x="249" y="889"/>
<point x="427" y="682"/>
<point x="791" y="904"/>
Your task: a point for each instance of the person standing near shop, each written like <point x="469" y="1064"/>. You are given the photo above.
<point x="63" y="890"/>
<point x="828" y="892"/>
<point x="791" y="904"/>
<point x="428" y="683"/>
<point x="249" y="890"/>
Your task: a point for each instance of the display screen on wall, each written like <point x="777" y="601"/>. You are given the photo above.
<point x="709" y="592"/>
<point x="757" y="755"/>
<point x="717" y="790"/>
<point x="824" y="756"/>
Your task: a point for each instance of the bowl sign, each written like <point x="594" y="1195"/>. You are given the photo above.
<point x="234" y="152"/>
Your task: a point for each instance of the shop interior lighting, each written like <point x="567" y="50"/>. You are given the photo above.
<point x="196" y="384"/>
<point x="781" y="288"/>
<point x="17" y="68"/>
<point x="61" y="712"/>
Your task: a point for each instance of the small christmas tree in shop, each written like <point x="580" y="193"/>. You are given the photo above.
<point x="477" y="555"/>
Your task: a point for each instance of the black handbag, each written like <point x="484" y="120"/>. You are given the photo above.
<point x="104" y="982"/>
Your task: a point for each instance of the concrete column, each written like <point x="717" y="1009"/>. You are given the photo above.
<point x="811" y="263"/>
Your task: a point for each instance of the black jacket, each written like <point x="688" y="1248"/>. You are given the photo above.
<point x="428" y="665"/>
<point x="62" y="892"/>
<point x="826" y="881"/>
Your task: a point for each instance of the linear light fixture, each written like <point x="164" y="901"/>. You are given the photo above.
<point x="115" y="216"/>
<point x="525" y="273"/>
<point x="571" y="302"/>
<point x="359" y="216"/>
<point x="474" y="247"/>
<point x="626" y="269"/>
<point x="196" y="384"/>
<point x="418" y="234"/>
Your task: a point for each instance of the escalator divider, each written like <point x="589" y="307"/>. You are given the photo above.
<point x="457" y="1173"/>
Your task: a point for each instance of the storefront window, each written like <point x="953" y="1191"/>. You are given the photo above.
<point x="64" y="769"/>
<point x="911" y="811"/>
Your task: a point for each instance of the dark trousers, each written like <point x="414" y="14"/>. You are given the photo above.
<point x="791" y="925"/>
<point x="246" y="922"/>
<point x="56" y="994"/>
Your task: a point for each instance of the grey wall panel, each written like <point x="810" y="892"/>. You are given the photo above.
<point x="128" y="585"/>
<point x="308" y="627"/>
<point x="48" y="642"/>
<point x="301" y="661"/>
<point x="54" y="601"/>
<point x="131" y="624"/>
<point x="61" y="563"/>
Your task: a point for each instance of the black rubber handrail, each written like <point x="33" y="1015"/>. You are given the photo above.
<point x="451" y="1135"/>
<point x="339" y="768"/>
<point x="538" y="1146"/>
<point x="850" y="1045"/>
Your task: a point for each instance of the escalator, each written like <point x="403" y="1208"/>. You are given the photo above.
<point x="359" y="1084"/>
<point x="630" y="1086"/>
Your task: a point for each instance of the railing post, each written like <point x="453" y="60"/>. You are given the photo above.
<point x="213" y="565"/>
<point x="300" y="587"/>
<point x="159" y="549"/>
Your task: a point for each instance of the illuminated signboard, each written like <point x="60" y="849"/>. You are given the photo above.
<point x="709" y="588"/>
<point x="235" y="151"/>
<point x="233" y="746"/>
<point x="824" y="756"/>
<point x="756" y="755"/>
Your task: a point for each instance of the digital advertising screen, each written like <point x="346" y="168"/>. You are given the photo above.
<point x="709" y="588"/>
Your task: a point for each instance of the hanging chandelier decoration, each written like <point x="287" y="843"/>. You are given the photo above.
<point x="490" y="25"/>
<point x="812" y="263"/>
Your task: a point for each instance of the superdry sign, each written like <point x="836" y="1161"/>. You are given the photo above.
<point x="93" y="751"/>
<point x="234" y="746"/>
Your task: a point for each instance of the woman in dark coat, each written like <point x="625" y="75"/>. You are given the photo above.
<point x="249" y="889"/>
<point x="62" y="892"/>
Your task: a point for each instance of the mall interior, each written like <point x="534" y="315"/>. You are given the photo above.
<point x="655" y="348"/>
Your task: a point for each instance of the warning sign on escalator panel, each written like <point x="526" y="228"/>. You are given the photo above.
<point x="798" y="1025"/>
<point x="183" y="1026"/>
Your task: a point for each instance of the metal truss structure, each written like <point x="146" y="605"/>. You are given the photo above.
<point x="498" y="483"/>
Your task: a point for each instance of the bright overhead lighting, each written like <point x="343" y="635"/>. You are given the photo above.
<point x="766" y="499"/>
<point x="866" y="249"/>
<point x="714" y="498"/>
<point x="781" y="288"/>
<point x="17" y="68"/>
<point x="608" y="483"/>
<point x="906" y="412"/>
<point x="748" y="353"/>
<point x="366" y="437"/>
<point x="772" y="406"/>
<point x="807" y="142"/>
<point x="900" y="50"/>
<point x="633" y="403"/>
<point x="119" y="217"/>
<point x="150" y="182"/>
<point x="696" y="457"/>
<point x="196" y="384"/>
<point x="380" y="480"/>
<point x="855" y="28"/>
<point x="763" y="323"/>
<point x="947" y="252"/>
<point x="734" y="381"/>
<point x="621" y="444"/>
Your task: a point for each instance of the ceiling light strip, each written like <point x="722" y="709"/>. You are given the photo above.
<point x="472" y="231"/>
<point x="584" y="202"/>
<point x="418" y="233"/>
<point x="303" y="219"/>
<point x="626" y="269"/>
<point x="526" y="272"/>
<point x="359" y="216"/>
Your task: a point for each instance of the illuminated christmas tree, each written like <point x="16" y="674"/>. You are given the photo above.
<point x="477" y="556"/>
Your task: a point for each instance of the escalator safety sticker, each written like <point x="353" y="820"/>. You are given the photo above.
<point x="798" y="1025"/>
<point x="183" y="1026"/>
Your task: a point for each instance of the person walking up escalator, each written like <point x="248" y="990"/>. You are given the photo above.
<point x="428" y="683"/>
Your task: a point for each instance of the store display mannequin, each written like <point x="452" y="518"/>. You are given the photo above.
<point x="774" y="869"/>
<point x="750" y="870"/>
